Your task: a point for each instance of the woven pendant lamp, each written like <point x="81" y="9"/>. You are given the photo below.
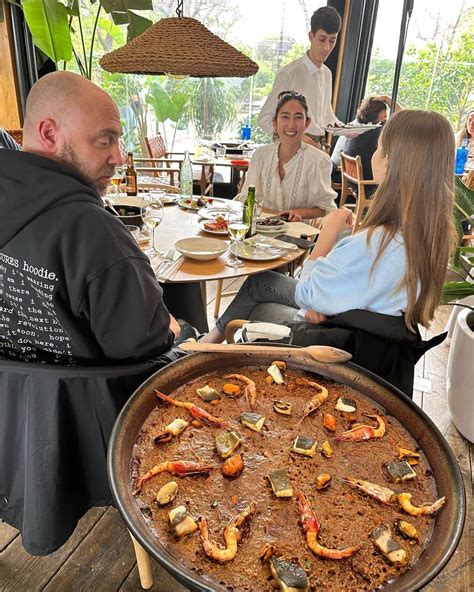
<point x="179" y="46"/>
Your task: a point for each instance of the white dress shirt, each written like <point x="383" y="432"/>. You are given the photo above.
<point x="314" y="82"/>
<point x="306" y="184"/>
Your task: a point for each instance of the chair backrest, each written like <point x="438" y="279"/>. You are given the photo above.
<point x="156" y="146"/>
<point x="351" y="172"/>
<point x="55" y="422"/>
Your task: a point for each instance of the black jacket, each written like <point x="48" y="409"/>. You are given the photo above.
<point x="380" y="343"/>
<point x="74" y="286"/>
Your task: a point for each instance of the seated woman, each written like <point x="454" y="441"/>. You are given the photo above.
<point x="396" y="263"/>
<point x="467" y="133"/>
<point x="293" y="177"/>
<point x="371" y="110"/>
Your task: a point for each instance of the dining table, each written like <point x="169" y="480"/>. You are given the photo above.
<point x="184" y="280"/>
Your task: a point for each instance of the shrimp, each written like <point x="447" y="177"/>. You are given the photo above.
<point x="311" y="527"/>
<point x="382" y="494"/>
<point x="404" y="499"/>
<point x="232" y="535"/>
<point x="250" y="391"/>
<point x="198" y="413"/>
<point x="364" y="432"/>
<point x="316" y="401"/>
<point x="179" y="467"/>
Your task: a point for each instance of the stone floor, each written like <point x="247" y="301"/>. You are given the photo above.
<point x="99" y="556"/>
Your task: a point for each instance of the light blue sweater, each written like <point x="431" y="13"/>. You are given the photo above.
<point x="342" y="280"/>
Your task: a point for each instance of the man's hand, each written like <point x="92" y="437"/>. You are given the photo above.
<point x="174" y="326"/>
<point x="312" y="316"/>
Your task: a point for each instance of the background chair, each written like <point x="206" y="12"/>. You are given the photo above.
<point x="351" y="170"/>
<point x="167" y="165"/>
<point x="55" y="423"/>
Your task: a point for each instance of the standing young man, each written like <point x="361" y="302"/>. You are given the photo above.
<point x="309" y="76"/>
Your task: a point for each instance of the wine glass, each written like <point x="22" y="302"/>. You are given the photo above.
<point x="237" y="230"/>
<point x="116" y="180"/>
<point x="152" y="215"/>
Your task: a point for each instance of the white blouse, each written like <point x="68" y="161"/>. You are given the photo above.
<point x="306" y="184"/>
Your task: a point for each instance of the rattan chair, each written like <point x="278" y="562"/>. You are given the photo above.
<point x="17" y="135"/>
<point x="351" y="169"/>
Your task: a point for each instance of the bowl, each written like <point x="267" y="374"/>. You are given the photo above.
<point x="130" y="215"/>
<point x="202" y="249"/>
<point x="447" y="526"/>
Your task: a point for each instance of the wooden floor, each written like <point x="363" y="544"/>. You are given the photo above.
<point x="99" y="556"/>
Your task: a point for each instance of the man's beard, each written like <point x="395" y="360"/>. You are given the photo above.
<point x="69" y="156"/>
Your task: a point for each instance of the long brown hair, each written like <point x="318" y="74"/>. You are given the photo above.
<point x="416" y="199"/>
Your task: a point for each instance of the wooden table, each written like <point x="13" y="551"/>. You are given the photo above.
<point x="179" y="223"/>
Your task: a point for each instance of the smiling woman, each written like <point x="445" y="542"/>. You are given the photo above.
<point x="292" y="177"/>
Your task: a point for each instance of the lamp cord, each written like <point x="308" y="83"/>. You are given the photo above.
<point x="179" y="9"/>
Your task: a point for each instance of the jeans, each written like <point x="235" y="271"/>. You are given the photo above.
<point x="268" y="297"/>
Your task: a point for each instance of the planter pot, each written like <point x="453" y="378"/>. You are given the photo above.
<point x="460" y="374"/>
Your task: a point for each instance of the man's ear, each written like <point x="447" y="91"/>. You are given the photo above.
<point x="310" y="36"/>
<point x="48" y="135"/>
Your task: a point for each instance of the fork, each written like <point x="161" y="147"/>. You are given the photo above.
<point x="167" y="262"/>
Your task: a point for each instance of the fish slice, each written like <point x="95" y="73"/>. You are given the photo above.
<point x="319" y="353"/>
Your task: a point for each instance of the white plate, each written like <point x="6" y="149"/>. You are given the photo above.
<point x="202" y="227"/>
<point x="251" y="253"/>
<point x="213" y="213"/>
<point x="351" y="130"/>
<point x="184" y="203"/>
<point x="200" y="248"/>
<point x="271" y="229"/>
<point x="170" y="198"/>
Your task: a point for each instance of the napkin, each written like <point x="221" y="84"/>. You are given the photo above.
<point x="268" y="241"/>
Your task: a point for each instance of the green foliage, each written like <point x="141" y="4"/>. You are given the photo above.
<point x="58" y="30"/>
<point x="258" y="135"/>
<point x="48" y="23"/>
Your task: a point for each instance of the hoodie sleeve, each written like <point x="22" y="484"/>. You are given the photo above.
<point x="124" y="305"/>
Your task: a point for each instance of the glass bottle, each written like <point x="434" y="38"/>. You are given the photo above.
<point x="186" y="177"/>
<point x="461" y="158"/>
<point x="131" y="176"/>
<point x="249" y="211"/>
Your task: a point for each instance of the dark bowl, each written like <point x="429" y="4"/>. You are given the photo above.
<point x="448" y="524"/>
<point x="132" y="215"/>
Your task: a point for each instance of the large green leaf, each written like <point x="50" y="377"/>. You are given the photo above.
<point x="160" y="100"/>
<point x="136" y="25"/>
<point x="48" y="23"/>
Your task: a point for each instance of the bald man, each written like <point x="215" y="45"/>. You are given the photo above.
<point x="74" y="286"/>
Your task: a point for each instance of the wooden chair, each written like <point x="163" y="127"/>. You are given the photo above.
<point x="351" y="170"/>
<point x="162" y="163"/>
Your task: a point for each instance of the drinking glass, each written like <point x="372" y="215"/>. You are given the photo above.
<point x="237" y="230"/>
<point x="134" y="231"/>
<point x="116" y="180"/>
<point x="152" y="215"/>
<point x="220" y="151"/>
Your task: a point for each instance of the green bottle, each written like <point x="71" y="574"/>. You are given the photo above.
<point x="249" y="211"/>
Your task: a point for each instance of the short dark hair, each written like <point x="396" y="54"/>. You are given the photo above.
<point x="369" y="109"/>
<point x="326" y="18"/>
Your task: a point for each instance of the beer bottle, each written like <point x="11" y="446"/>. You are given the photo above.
<point x="131" y="176"/>
<point x="249" y="211"/>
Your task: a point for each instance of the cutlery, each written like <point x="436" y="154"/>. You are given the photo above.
<point x="319" y="353"/>
<point x="166" y="263"/>
<point x="109" y="204"/>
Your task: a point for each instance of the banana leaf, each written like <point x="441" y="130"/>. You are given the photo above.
<point x="48" y="22"/>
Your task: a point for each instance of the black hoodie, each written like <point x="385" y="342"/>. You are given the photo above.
<point x="74" y="286"/>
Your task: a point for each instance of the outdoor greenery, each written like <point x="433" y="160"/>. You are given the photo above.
<point x="76" y="33"/>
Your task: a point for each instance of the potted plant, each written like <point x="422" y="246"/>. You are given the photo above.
<point x="460" y="370"/>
